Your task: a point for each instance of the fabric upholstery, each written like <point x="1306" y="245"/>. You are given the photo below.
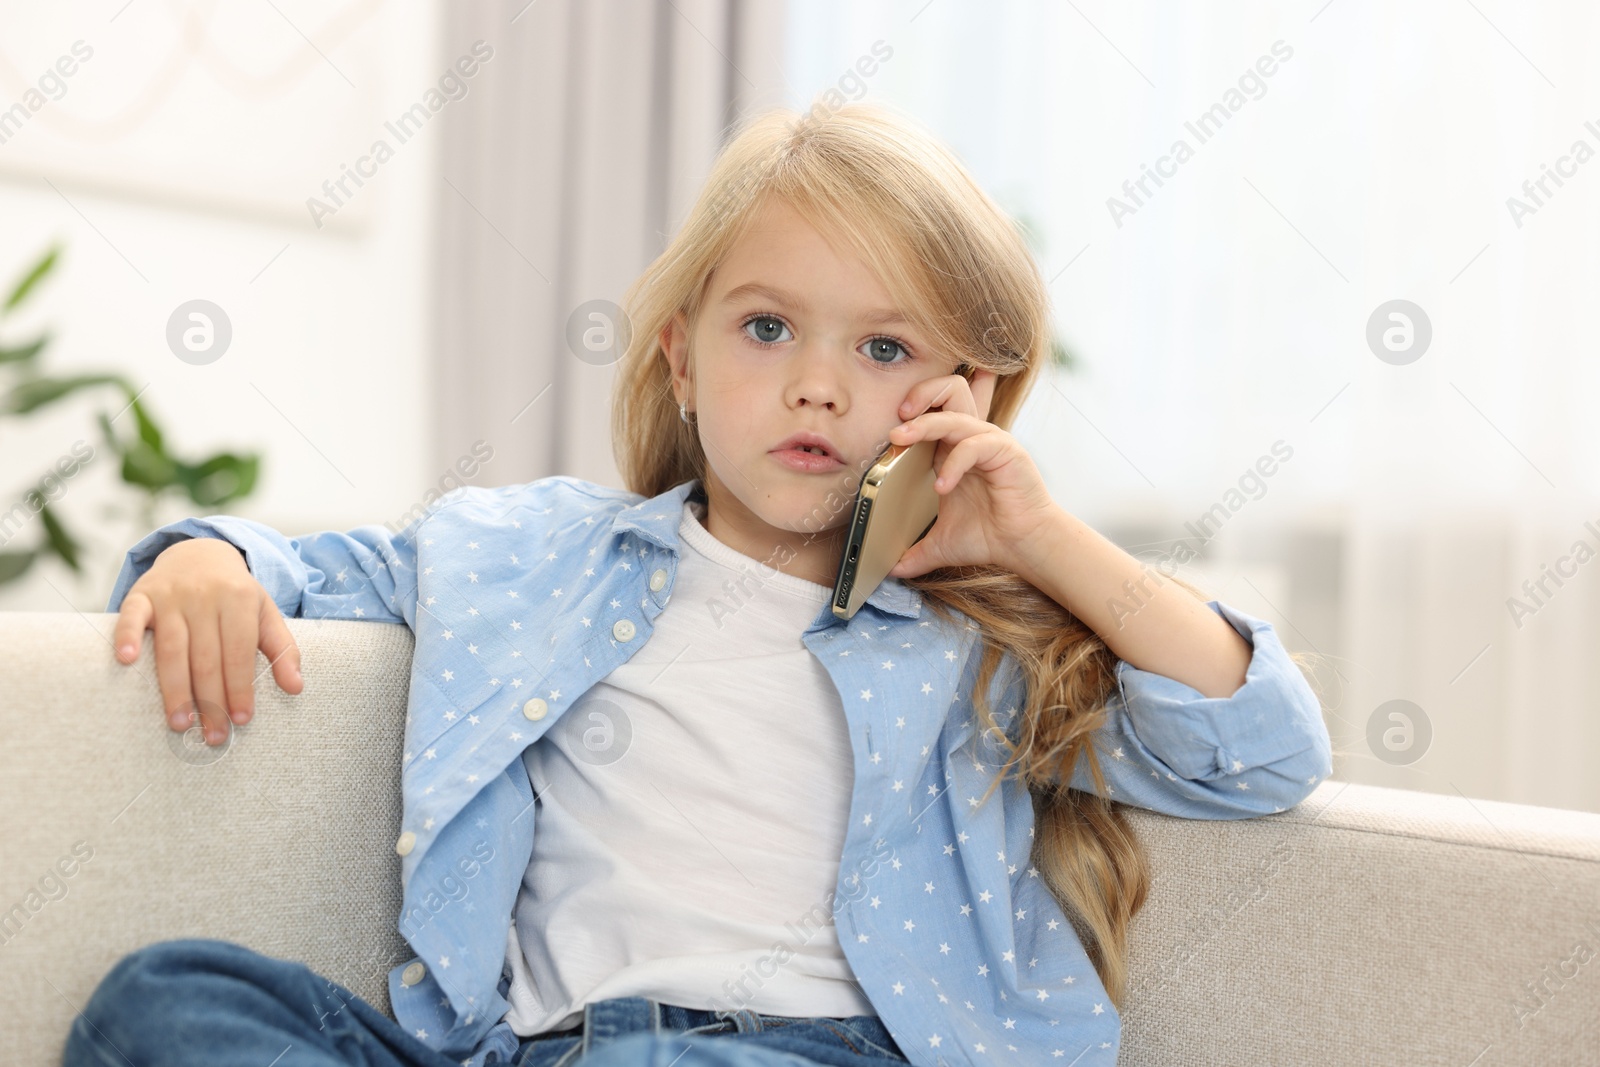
<point x="1365" y="925"/>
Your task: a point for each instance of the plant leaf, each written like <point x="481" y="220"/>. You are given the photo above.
<point x="23" y="353"/>
<point x="61" y="542"/>
<point x="37" y="392"/>
<point x="221" y="478"/>
<point x="32" y="278"/>
<point x="14" y="565"/>
<point x="144" y="466"/>
<point x="148" y="431"/>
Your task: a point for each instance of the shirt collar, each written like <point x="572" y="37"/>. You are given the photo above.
<point x="657" y="519"/>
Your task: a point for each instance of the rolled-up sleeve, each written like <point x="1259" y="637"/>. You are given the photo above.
<point x="1167" y="747"/>
<point x="365" y="573"/>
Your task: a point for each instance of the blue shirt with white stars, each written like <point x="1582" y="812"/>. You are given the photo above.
<point x="522" y="597"/>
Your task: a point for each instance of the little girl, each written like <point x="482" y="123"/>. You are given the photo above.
<point x="660" y="804"/>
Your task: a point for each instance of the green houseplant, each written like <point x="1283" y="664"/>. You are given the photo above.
<point x="145" y="464"/>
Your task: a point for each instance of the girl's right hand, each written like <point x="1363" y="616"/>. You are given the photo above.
<point x="209" y="615"/>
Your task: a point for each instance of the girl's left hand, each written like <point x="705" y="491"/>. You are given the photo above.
<point x="992" y="499"/>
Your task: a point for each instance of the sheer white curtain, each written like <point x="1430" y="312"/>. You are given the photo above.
<point x="557" y="190"/>
<point x="1229" y="312"/>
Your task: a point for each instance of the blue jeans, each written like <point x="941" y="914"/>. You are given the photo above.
<point x="204" y="1001"/>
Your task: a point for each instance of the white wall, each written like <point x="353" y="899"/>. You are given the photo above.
<point x="1229" y="312"/>
<point x="180" y="163"/>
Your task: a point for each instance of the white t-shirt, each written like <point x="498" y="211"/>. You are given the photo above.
<point x="691" y="813"/>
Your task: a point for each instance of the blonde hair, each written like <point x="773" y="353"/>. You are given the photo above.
<point x="960" y="270"/>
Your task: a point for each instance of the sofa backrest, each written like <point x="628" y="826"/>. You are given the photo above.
<point x="1366" y="924"/>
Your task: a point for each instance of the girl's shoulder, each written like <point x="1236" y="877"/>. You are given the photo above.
<point x="547" y="494"/>
<point x="559" y="509"/>
<point x="571" y="488"/>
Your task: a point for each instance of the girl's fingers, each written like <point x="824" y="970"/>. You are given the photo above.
<point x="172" y="668"/>
<point x="238" y="630"/>
<point x="279" y="647"/>
<point x="947" y="426"/>
<point x="962" y="458"/>
<point x="954" y="393"/>
<point x="132" y="621"/>
<point x="205" y="668"/>
<point x="957" y="398"/>
<point x="950" y="473"/>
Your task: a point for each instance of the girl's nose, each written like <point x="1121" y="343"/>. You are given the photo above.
<point x="819" y="380"/>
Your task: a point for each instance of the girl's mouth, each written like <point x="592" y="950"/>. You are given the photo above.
<point x="807" y="462"/>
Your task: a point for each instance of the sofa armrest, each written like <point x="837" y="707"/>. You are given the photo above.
<point x="1368" y="925"/>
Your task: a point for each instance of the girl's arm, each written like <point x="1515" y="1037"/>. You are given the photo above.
<point x="367" y="573"/>
<point x="1150" y="622"/>
<point x="1169" y="748"/>
<point x="1210" y="717"/>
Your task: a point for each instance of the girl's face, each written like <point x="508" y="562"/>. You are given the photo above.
<point x="796" y="335"/>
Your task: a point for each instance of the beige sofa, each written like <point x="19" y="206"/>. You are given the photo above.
<point x="1366" y="926"/>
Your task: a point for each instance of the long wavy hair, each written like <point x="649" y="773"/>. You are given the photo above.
<point x="960" y="269"/>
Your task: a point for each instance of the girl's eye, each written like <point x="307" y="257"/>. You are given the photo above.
<point x="769" y="330"/>
<point x="765" y="325"/>
<point x="878" y="345"/>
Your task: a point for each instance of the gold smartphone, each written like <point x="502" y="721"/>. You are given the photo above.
<point x="896" y="505"/>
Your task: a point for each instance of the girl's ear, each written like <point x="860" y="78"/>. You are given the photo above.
<point x="983" y="383"/>
<point x="674" y="339"/>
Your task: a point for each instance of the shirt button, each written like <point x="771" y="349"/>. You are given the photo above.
<point x="535" y="708"/>
<point x="405" y="844"/>
<point x="412" y="974"/>
<point x="658" y="579"/>
<point x="623" y="630"/>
